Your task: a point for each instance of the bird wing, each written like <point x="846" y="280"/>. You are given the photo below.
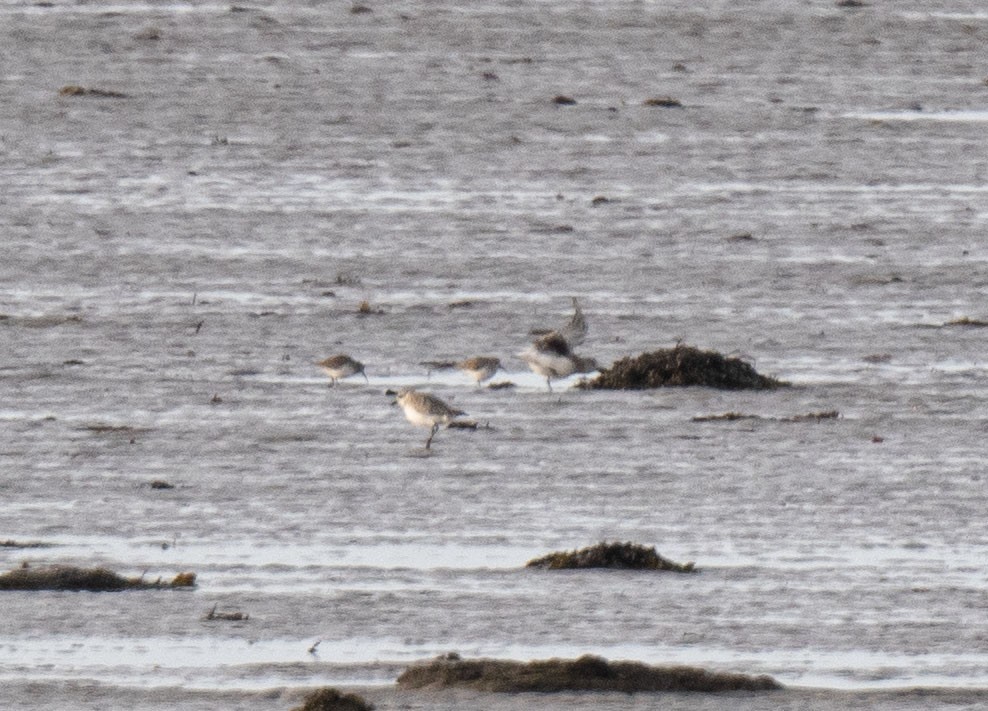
<point x="575" y="329"/>
<point x="553" y="343"/>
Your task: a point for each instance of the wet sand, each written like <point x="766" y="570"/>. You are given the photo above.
<point x="87" y="697"/>
<point x="191" y="231"/>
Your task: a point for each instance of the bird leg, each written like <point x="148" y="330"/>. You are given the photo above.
<point x="435" y="428"/>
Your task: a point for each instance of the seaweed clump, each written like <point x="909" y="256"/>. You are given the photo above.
<point x="69" y="577"/>
<point x="10" y="543"/>
<point x="734" y="416"/>
<point x="74" y="90"/>
<point x="681" y="366"/>
<point x="330" y="699"/>
<point x="623" y="556"/>
<point x="967" y="321"/>
<point x="587" y="673"/>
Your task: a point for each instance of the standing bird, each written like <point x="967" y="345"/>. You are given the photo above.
<point x="341" y="366"/>
<point x="551" y="355"/>
<point x="480" y="368"/>
<point x="425" y="410"/>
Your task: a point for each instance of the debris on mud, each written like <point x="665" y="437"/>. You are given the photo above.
<point x="226" y="616"/>
<point x="161" y="484"/>
<point x="104" y="428"/>
<point x="149" y="34"/>
<point x="813" y="416"/>
<point x="623" y="556"/>
<point x="563" y="100"/>
<point x="45" y="321"/>
<point x="733" y="416"/>
<point x="74" y="90"/>
<point x="182" y="580"/>
<point x="467" y="425"/>
<point x="69" y="577"/>
<point x="742" y="237"/>
<point x="666" y="102"/>
<point x="330" y="699"/>
<point x="725" y="417"/>
<point x="587" y="673"/>
<point x="9" y="543"/>
<point x="966" y="321"/>
<point x="680" y="366"/>
<point x="365" y="309"/>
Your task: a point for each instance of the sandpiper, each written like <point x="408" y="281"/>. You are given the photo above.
<point x="480" y="368"/>
<point x="341" y="366"/>
<point x="425" y="410"/>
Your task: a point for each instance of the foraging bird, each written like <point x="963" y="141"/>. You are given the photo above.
<point x="551" y="355"/>
<point x="480" y="368"/>
<point x="341" y="366"/>
<point x="425" y="410"/>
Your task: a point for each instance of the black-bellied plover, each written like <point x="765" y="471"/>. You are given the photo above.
<point x="341" y="366"/>
<point x="425" y="410"/>
<point x="551" y="355"/>
<point x="575" y="329"/>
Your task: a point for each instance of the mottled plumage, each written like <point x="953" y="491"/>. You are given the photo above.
<point x="341" y="366"/>
<point x="425" y="410"/>
<point x="551" y="355"/>
<point x="480" y="368"/>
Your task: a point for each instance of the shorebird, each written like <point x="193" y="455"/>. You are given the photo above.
<point x="425" y="410"/>
<point x="551" y="355"/>
<point x="341" y="366"/>
<point x="480" y="368"/>
<point x="574" y="330"/>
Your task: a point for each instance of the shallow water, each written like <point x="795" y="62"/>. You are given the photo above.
<point x="175" y="261"/>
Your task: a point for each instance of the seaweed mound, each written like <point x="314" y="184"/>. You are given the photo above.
<point x="734" y="416"/>
<point x="9" y="543"/>
<point x="329" y="699"/>
<point x="624" y="556"/>
<point x="681" y="366"/>
<point x="68" y="577"/>
<point x="588" y="673"/>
